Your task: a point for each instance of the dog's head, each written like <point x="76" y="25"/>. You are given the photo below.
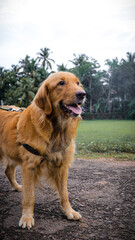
<point x="61" y="92"/>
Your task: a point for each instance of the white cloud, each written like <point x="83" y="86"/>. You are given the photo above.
<point x="101" y="28"/>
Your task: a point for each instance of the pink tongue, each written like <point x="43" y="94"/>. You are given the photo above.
<point x="76" y="110"/>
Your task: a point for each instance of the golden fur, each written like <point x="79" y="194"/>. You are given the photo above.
<point x="47" y="128"/>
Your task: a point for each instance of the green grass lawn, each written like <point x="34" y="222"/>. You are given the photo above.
<point x="105" y="136"/>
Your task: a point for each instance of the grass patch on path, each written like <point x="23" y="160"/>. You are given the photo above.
<point x="109" y="137"/>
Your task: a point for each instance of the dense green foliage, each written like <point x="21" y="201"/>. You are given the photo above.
<point x="108" y="91"/>
<point x="106" y="136"/>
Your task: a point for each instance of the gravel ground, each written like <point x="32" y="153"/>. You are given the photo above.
<point x="102" y="190"/>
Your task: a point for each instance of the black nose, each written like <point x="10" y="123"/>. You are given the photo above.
<point x="80" y="95"/>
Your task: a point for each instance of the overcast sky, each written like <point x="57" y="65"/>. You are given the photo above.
<point x="99" y="28"/>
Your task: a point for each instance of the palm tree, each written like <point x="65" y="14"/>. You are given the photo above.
<point x="113" y="66"/>
<point x="62" y="67"/>
<point x="29" y="66"/>
<point x="26" y="91"/>
<point x="44" y="57"/>
<point x="25" y="63"/>
<point x="80" y="59"/>
<point x="131" y="57"/>
<point x="2" y="90"/>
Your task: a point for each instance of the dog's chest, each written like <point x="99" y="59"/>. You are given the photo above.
<point x="59" y="141"/>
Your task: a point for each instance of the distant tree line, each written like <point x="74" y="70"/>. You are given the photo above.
<point x="110" y="92"/>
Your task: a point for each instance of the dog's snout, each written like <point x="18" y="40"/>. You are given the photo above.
<point x="80" y="95"/>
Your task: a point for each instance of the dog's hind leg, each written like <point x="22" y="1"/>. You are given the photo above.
<point x="10" y="173"/>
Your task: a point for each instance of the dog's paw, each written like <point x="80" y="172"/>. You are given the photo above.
<point x="73" y="215"/>
<point x="26" y="221"/>
<point x="18" y="187"/>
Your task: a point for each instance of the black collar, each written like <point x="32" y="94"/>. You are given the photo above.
<point x="37" y="153"/>
<point x="31" y="149"/>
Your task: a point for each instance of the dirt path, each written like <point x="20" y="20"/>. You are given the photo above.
<point x="103" y="191"/>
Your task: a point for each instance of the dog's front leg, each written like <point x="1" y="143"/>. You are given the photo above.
<point x="28" y="198"/>
<point x="63" y="192"/>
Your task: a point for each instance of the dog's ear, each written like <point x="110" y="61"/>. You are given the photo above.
<point x="42" y="99"/>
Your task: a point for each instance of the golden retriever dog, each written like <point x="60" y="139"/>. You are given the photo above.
<point x="41" y="140"/>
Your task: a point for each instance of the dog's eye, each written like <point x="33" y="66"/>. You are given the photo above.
<point x="78" y="83"/>
<point x="61" y="83"/>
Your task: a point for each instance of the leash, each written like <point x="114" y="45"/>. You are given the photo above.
<point x="11" y="108"/>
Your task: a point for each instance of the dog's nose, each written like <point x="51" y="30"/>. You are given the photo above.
<point x="80" y="95"/>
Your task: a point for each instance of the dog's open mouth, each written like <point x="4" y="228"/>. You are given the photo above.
<point x="72" y="109"/>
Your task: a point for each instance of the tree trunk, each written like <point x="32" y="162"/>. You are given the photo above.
<point x="90" y="83"/>
<point x="109" y="97"/>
